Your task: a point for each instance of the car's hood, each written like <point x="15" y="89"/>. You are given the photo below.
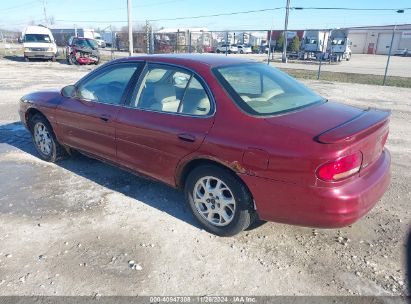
<point x="316" y="119"/>
<point x="50" y="98"/>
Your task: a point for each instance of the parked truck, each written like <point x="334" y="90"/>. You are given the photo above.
<point x="314" y="44"/>
<point x="339" y="45"/>
<point x="109" y="38"/>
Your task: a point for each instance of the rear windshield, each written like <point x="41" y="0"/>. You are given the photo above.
<point x="37" y="38"/>
<point x="263" y="90"/>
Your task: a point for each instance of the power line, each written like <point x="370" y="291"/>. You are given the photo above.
<point x="347" y="8"/>
<point x="18" y="6"/>
<point x="218" y="15"/>
<point x="235" y="13"/>
<point x="124" y="8"/>
<point x="252" y="11"/>
<point x="182" y="18"/>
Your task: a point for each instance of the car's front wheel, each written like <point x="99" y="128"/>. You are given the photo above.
<point x="72" y="60"/>
<point x="44" y="139"/>
<point x="219" y="200"/>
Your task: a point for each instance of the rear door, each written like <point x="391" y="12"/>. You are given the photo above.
<point x="86" y="121"/>
<point x="167" y="118"/>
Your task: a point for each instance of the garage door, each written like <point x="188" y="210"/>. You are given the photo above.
<point x="358" y="42"/>
<point x="384" y="41"/>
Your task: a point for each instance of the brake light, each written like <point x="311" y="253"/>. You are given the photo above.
<point x="341" y="168"/>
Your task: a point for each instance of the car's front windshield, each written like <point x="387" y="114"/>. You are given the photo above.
<point x="262" y="90"/>
<point x="86" y="43"/>
<point x="43" y="38"/>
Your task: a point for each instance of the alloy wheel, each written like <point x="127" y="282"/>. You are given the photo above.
<point x="42" y="138"/>
<point x="214" y="201"/>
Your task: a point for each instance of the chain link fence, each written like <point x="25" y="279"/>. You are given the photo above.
<point x="9" y="43"/>
<point x="256" y="44"/>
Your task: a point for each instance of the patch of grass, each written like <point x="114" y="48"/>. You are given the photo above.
<point x="395" y="81"/>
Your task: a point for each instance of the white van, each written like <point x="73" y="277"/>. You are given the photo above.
<point x="38" y="42"/>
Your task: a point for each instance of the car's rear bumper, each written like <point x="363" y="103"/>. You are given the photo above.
<point x="319" y="206"/>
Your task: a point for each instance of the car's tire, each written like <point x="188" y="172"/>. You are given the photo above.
<point x="26" y="59"/>
<point x="241" y="52"/>
<point x="45" y="142"/>
<point x="53" y="59"/>
<point x="226" y="195"/>
<point x="71" y="59"/>
<point x="218" y="52"/>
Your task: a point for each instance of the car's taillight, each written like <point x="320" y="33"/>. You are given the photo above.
<point x="341" y="168"/>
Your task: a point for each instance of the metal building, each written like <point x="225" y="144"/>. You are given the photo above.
<point x="377" y="39"/>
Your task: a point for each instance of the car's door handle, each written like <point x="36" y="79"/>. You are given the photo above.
<point x="105" y="118"/>
<point x="187" y="137"/>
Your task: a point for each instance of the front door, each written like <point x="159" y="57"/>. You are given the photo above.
<point x="86" y="121"/>
<point x="169" y="114"/>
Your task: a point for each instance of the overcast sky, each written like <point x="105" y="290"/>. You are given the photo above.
<point x="18" y="13"/>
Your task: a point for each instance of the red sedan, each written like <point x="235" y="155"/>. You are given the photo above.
<point x="241" y="139"/>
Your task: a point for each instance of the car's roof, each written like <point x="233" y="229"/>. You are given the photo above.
<point x="211" y="60"/>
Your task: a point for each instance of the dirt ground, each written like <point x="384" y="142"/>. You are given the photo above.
<point x="71" y="228"/>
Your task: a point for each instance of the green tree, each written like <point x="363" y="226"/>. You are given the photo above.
<point x="295" y="44"/>
<point x="280" y="43"/>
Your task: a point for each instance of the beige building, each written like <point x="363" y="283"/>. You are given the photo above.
<point x="377" y="39"/>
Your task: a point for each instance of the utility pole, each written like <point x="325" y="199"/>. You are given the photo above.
<point x="130" y="29"/>
<point x="148" y="36"/>
<point x="45" y="12"/>
<point x="287" y="11"/>
<point x="400" y="11"/>
<point x="389" y="54"/>
<point x="269" y="46"/>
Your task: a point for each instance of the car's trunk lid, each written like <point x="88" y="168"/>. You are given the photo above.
<point x="343" y="126"/>
<point x="366" y="123"/>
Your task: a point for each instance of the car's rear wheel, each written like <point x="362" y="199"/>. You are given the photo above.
<point x="219" y="200"/>
<point x="44" y="139"/>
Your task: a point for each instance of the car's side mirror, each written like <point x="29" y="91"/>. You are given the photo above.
<point x="68" y="91"/>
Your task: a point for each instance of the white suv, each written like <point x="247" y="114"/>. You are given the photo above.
<point x="229" y="48"/>
<point x="244" y="49"/>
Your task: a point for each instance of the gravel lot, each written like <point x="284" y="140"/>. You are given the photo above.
<point x="71" y="228"/>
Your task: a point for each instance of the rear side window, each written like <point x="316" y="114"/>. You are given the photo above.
<point x="172" y="90"/>
<point x="195" y="101"/>
<point x="108" y="86"/>
<point x="262" y="90"/>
